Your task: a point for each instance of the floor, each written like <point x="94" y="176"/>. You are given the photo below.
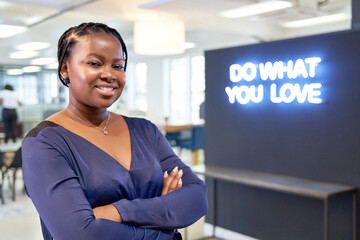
<point x="19" y="220"/>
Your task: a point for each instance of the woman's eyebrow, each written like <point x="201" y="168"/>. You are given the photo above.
<point x="100" y="56"/>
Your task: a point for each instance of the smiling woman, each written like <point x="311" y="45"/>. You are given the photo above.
<point x="84" y="166"/>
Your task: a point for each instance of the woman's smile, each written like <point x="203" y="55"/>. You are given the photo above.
<point x="106" y="90"/>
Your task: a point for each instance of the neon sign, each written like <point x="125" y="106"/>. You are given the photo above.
<point x="273" y="71"/>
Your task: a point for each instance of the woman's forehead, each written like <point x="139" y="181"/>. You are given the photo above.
<point x="99" y="42"/>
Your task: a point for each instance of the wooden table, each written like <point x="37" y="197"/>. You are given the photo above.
<point x="9" y="150"/>
<point x="177" y="128"/>
<point x="10" y="147"/>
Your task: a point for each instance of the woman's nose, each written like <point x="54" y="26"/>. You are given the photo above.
<point x="108" y="76"/>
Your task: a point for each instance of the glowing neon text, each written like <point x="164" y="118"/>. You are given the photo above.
<point x="284" y="93"/>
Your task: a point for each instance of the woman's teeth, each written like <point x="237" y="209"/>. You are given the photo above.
<point x="106" y="88"/>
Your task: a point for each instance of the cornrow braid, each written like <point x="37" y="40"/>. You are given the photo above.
<point x="68" y="40"/>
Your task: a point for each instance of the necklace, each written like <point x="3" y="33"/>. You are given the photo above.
<point x="89" y="123"/>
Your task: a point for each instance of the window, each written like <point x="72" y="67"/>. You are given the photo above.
<point x="141" y="87"/>
<point x="197" y="86"/>
<point x="187" y="89"/>
<point x="179" y="92"/>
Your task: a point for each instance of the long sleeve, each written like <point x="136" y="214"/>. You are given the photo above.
<point x="60" y="200"/>
<point x="177" y="209"/>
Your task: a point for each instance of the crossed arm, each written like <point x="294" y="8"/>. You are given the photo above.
<point x="172" y="182"/>
<point x="67" y="214"/>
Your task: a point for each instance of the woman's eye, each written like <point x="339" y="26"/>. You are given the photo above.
<point x="93" y="64"/>
<point x="121" y="67"/>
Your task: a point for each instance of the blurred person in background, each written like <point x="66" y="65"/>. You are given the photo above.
<point x="9" y="101"/>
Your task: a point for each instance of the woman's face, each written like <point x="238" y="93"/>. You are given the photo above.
<point x="95" y="70"/>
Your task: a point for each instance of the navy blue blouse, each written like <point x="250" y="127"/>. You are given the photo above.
<point x="66" y="176"/>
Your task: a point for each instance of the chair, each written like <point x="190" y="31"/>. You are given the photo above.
<point x="15" y="165"/>
<point x="2" y="169"/>
<point x="188" y="139"/>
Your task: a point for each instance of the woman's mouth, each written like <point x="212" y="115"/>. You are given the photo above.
<point x="106" y="90"/>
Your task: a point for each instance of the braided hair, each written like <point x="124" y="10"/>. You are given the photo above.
<point x="69" y="38"/>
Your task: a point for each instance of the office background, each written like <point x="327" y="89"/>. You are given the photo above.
<point x="174" y="86"/>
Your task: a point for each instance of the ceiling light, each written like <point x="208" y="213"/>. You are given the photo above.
<point x="23" y="54"/>
<point x="189" y="45"/>
<point x="10" y="30"/>
<point x="42" y="61"/>
<point x="33" y="46"/>
<point x="4" y="4"/>
<point x="52" y="66"/>
<point x="255" y="9"/>
<point x="14" y="71"/>
<point x="161" y="37"/>
<point x="31" y="69"/>
<point x="316" y="20"/>
<point x="154" y="3"/>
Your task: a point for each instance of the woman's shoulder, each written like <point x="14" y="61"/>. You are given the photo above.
<point x="38" y="128"/>
<point x="52" y="121"/>
<point x="138" y="121"/>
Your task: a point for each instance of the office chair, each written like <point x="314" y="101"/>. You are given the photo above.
<point x="2" y="169"/>
<point x="15" y="165"/>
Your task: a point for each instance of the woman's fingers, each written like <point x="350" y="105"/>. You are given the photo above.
<point x="166" y="184"/>
<point x="175" y="182"/>
<point x="172" y="181"/>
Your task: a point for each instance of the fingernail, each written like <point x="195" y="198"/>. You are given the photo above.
<point x="180" y="181"/>
<point x="166" y="174"/>
<point x="180" y="172"/>
<point x="175" y="169"/>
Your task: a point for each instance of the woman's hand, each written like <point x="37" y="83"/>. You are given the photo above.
<point x="108" y="212"/>
<point x="173" y="181"/>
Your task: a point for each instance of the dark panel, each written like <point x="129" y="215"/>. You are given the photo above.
<point x="355" y="20"/>
<point x="318" y="141"/>
<point x="315" y="141"/>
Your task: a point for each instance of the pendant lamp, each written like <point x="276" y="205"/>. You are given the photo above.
<point x="159" y="37"/>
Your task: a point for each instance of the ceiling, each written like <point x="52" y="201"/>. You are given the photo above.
<point x="47" y="20"/>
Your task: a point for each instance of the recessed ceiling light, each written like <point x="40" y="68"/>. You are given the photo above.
<point x="42" y="61"/>
<point x="23" y="54"/>
<point x="52" y="66"/>
<point x="33" y="46"/>
<point x="31" y="69"/>
<point x="255" y="9"/>
<point x="317" y="20"/>
<point x="14" y="71"/>
<point x="10" y="30"/>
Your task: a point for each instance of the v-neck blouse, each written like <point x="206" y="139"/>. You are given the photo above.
<point x="66" y="176"/>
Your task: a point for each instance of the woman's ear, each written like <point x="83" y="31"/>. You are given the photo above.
<point x="64" y="71"/>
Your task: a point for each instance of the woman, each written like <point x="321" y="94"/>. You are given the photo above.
<point x="93" y="174"/>
<point x="9" y="101"/>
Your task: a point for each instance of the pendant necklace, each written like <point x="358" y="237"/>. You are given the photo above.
<point x="92" y="125"/>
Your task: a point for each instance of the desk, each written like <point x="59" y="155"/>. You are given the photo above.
<point x="9" y="150"/>
<point x="188" y="136"/>
<point x="282" y="183"/>
<point x="10" y="147"/>
<point x="178" y="128"/>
